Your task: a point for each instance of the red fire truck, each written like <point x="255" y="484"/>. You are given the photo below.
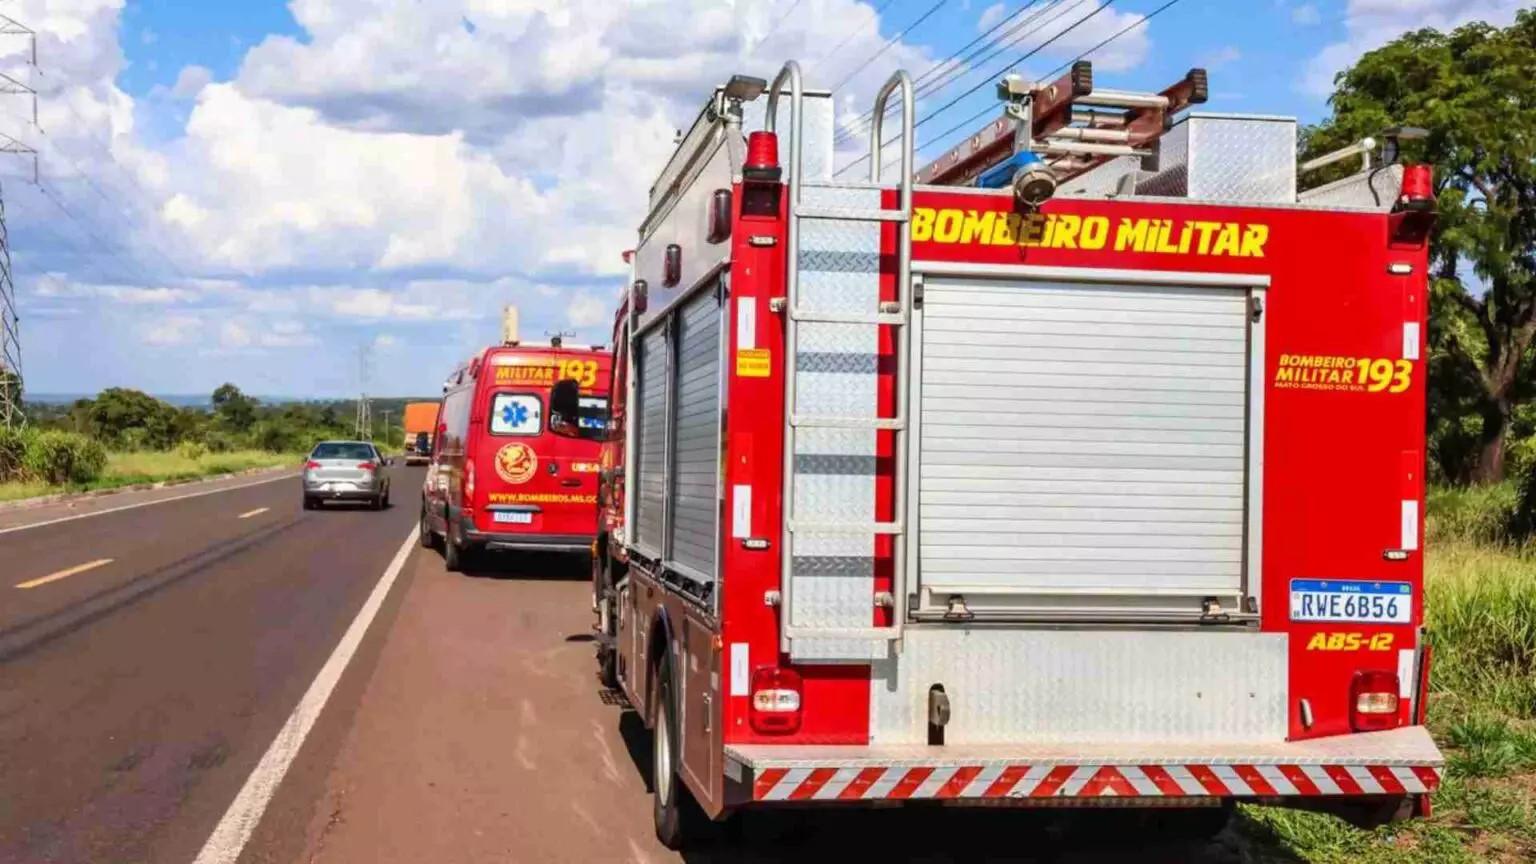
<point x="504" y="474"/>
<point x="1080" y="467"/>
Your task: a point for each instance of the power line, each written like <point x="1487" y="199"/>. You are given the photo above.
<point x="1028" y="54"/>
<point x="852" y="33"/>
<point x="888" y="43"/>
<point x="1058" y="70"/>
<point x="945" y="72"/>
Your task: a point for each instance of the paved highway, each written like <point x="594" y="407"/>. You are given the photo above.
<point x="228" y="678"/>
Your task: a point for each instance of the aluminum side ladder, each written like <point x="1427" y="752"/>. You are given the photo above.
<point x="833" y="320"/>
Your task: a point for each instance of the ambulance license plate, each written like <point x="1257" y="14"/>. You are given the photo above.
<point x="1333" y="600"/>
<point x="513" y="517"/>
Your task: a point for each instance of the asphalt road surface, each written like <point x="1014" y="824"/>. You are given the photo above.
<point x="230" y="678"/>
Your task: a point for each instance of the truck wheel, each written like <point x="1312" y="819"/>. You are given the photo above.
<point x="679" y="821"/>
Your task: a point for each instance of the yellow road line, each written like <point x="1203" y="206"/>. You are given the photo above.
<point x="258" y="511"/>
<point x="64" y="574"/>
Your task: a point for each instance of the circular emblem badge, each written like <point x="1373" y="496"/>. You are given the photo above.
<point x="515" y="463"/>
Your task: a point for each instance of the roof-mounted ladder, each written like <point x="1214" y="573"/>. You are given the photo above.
<point x="1068" y="123"/>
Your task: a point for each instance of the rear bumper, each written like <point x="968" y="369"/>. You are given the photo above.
<point x="1394" y="763"/>
<point x="494" y="540"/>
<point x="357" y="493"/>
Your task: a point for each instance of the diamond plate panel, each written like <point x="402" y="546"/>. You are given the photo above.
<point x="816" y="152"/>
<point x="1377" y="190"/>
<point x="1216" y="157"/>
<point x="1084" y="687"/>
<point x="833" y="498"/>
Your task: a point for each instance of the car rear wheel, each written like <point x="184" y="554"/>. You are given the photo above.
<point x="385" y="502"/>
<point x="309" y="503"/>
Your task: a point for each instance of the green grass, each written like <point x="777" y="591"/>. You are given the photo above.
<point x="1471" y="514"/>
<point x="1481" y="613"/>
<point x="127" y="469"/>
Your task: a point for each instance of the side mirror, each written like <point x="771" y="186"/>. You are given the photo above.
<point x="568" y="418"/>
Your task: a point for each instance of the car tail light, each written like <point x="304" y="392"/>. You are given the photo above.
<point x="366" y="466"/>
<point x="469" y="480"/>
<point x="775" y="701"/>
<point x="1373" y="701"/>
<point x="311" y="465"/>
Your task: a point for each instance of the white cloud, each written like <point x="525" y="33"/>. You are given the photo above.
<point x="587" y="310"/>
<point x="1370" y="24"/>
<point x="1221" y="57"/>
<point x="190" y="81"/>
<point x="991" y="16"/>
<point x="170" y="330"/>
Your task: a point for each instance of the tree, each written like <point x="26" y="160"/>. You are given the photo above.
<point x="1474" y="89"/>
<point x="235" y="410"/>
<point x="121" y="416"/>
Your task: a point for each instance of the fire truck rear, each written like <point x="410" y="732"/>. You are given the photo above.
<point x="1081" y="467"/>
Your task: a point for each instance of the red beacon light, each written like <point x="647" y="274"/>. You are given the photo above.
<point x="1418" y="194"/>
<point x="762" y="157"/>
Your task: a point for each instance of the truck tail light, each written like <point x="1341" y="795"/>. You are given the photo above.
<point x="469" y="480"/>
<point x="1373" y="701"/>
<point x="775" y="701"/>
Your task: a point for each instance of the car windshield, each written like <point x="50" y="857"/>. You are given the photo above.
<point x="342" y="450"/>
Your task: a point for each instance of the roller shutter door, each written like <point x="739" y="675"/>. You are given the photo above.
<point x="1083" y="439"/>
<point x="651" y="448"/>
<point x="696" y="460"/>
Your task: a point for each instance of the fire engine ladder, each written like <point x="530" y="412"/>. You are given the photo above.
<point x="833" y="320"/>
<point x="1068" y="123"/>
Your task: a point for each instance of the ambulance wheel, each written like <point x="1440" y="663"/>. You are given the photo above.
<point x="679" y="821"/>
<point x="428" y="539"/>
<point x="453" y="553"/>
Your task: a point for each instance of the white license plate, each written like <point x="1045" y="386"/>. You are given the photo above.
<point x="514" y="518"/>
<point x="1334" y="600"/>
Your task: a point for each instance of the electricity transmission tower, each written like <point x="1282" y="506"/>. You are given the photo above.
<point x="11" y="415"/>
<point x="363" y="428"/>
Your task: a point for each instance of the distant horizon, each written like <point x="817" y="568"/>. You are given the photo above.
<point x="182" y="400"/>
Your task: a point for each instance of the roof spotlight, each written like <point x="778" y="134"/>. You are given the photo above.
<point x="1032" y="180"/>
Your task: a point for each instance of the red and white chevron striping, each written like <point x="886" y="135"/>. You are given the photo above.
<point x="854" y="783"/>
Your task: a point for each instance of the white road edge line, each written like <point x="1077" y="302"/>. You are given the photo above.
<point x="234" y="830"/>
<point x="145" y="504"/>
<point x="257" y="512"/>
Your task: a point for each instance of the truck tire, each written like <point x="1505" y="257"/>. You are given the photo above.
<point x="679" y="820"/>
<point x="607" y="651"/>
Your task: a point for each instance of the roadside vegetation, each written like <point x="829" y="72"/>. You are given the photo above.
<point x="124" y="437"/>
<point x="1480" y="594"/>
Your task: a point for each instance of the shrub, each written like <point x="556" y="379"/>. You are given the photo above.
<point x="13" y="453"/>
<point x="1475" y="514"/>
<point x="65" y="457"/>
<point x="1522" y="524"/>
<point x="218" y="442"/>
<point x="193" y="450"/>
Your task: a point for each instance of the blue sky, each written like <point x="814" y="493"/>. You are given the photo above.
<point x="257" y="191"/>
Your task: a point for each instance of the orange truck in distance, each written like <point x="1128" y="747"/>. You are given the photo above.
<point x="419" y="419"/>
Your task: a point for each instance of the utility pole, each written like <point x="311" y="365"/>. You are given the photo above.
<point x="363" y="427"/>
<point x="11" y="384"/>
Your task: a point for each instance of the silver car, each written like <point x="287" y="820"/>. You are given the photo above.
<point x="346" y="471"/>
